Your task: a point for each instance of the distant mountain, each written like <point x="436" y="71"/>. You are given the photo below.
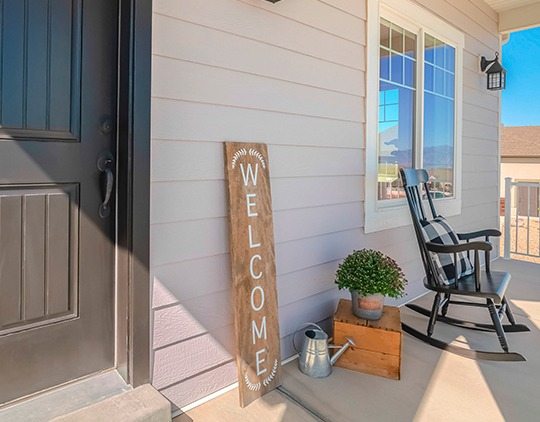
<point x="441" y="156"/>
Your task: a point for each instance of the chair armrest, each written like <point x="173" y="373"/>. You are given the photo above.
<point x="462" y="247"/>
<point x="481" y="233"/>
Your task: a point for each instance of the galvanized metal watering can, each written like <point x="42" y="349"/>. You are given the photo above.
<point x="315" y="358"/>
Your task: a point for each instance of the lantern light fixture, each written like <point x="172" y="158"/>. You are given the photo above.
<point x="496" y="74"/>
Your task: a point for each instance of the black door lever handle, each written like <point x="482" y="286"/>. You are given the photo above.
<point x="105" y="163"/>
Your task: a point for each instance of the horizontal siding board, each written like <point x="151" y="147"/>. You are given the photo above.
<point x="195" y="161"/>
<point x="186" y="359"/>
<point x="476" y="146"/>
<point x="481" y="115"/>
<point x="293" y="161"/>
<point x="470" y="9"/>
<point x="319" y="15"/>
<point x="187" y="161"/>
<point x="196" y="278"/>
<point x="480" y="162"/>
<point x="357" y="8"/>
<point x="191" y="390"/>
<point x="199" y="43"/>
<point x="207" y="199"/>
<point x="293" y="286"/>
<point x="305" y="253"/>
<point x="482" y="5"/>
<point x="480" y="179"/>
<point x="181" y="120"/>
<point x="193" y="318"/>
<point x="311" y="222"/>
<point x="177" y="242"/>
<point x="309" y="309"/>
<point x="455" y="16"/>
<point x="264" y="27"/>
<point x="211" y="85"/>
<point x="316" y="191"/>
<point x="480" y="98"/>
<point x="478" y="130"/>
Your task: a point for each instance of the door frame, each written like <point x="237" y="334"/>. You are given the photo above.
<point x="133" y="192"/>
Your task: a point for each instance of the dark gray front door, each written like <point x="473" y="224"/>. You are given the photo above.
<point x="58" y="71"/>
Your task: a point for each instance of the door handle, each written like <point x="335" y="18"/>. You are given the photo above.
<point x="105" y="164"/>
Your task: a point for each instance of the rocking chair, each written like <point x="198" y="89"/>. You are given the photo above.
<point x="449" y="272"/>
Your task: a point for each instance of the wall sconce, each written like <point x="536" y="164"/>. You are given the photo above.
<point x="496" y="74"/>
<point x="273" y="1"/>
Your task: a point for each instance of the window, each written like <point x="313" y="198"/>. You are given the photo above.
<point x="413" y="109"/>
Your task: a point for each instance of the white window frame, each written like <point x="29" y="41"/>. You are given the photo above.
<point x="386" y="214"/>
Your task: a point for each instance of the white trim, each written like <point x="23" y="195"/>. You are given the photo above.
<point x="412" y="17"/>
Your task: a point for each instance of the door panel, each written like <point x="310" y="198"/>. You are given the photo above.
<point x="58" y="70"/>
<point x="38" y="227"/>
<point x="41" y="69"/>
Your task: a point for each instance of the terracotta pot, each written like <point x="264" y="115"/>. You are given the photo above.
<point x="367" y="307"/>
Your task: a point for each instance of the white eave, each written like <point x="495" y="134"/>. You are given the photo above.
<point x="515" y="15"/>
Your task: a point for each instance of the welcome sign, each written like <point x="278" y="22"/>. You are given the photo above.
<point x="251" y="239"/>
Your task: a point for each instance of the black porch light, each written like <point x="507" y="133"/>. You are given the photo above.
<point x="273" y="1"/>
<point x="496" y="74"/>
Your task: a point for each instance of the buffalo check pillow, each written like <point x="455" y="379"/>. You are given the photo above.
<point x="439" y="231"/>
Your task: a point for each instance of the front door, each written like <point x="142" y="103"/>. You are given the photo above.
<point x="58" y="81"/>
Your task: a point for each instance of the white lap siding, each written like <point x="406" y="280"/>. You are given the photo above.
<point x="291" y="75"/>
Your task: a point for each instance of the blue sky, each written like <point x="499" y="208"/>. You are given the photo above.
<point x="521" y="98"/>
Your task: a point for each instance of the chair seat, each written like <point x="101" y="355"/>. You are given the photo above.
<point x="492" y="285"/>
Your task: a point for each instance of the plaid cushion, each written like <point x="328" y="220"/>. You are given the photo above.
<point x="439" y="231"/>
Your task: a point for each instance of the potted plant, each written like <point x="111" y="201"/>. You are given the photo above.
<point x="370" y="276"/>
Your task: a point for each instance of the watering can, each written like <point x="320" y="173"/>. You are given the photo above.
<point x="315" y="358"/>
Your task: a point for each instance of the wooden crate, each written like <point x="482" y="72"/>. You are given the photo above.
<point x="378" y="343"/>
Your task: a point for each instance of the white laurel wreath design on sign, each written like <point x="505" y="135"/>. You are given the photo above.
<point x="270" y="377"/>
<point x="237" y="155"/>
<point x="257" y="386"/>
<point x="242" y="152"/>
<point x="258" y="155"/>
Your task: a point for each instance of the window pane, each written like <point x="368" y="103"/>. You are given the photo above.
<point x="439" y="118"/>
<point x="410" y="44"/>
<point x="439" y="53"/>
<point x="439" y="81"/>
<point x="396" y="68"/>
<point x="397" y="39"/>
<point x="385" y="64"/>
<point x="396" y="134"/>
<point x="429" y="77"/>
<point x="429" y="46"/>
<point x="410" y="73"/>
<point x="450" y="53"/>
<point x="397" y="92"/>
<point x="385" y="33"/>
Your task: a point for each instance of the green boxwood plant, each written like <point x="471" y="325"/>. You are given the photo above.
<point x="370" y="272"/>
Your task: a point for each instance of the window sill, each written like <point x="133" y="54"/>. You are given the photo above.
<point x="379" y="218"/>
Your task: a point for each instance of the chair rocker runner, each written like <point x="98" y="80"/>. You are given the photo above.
<point x="449" y="272"/>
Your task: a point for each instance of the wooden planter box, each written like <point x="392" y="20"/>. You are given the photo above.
<point x="378" y="343"/>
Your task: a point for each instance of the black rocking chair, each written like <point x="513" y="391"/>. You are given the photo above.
<point x="449" y="272"/>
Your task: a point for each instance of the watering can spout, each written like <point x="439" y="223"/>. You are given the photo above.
<point x="337" y="355"/>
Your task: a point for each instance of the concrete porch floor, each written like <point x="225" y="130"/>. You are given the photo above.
<point x="434" y="386"/>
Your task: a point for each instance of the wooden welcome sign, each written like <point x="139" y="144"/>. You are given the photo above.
<point x="251" y="239"/>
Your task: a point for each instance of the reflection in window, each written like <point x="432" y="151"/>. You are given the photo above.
<point x="439" y="98"/>
<point x="398" y="137"/>
<point x="397" y="87"/>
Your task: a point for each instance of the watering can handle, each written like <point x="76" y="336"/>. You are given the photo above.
<point x="302" y="327"/>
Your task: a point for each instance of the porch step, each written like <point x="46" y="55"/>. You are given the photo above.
<point x="143" y="404"/>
